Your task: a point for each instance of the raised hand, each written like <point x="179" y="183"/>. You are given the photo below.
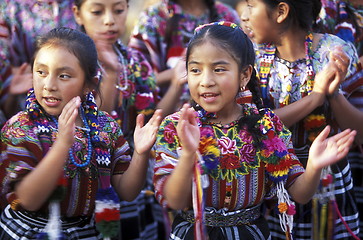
<point x="145" y="136"/>
<point x="339" y="60"/>
<point x="327" y="81"/>
<point x="188" y="129"/>
<point x="326" y="151"/>
<point x="67" y="121"/>
<point x="107" y="56"/>
<point x="22" y="79"/>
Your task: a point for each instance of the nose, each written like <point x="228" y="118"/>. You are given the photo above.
<point x="244" y="13"/>
<point x="109" y="18"/>
<point x="207" y="79"/>
<point x="50" y="83"/>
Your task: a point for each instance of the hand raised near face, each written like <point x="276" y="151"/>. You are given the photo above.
<point x="67" y="121"/>
<point x="22" y="79"/>
<point x="188" y="129"/>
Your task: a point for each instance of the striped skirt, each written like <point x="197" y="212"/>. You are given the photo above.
<point x="22" y="225"/>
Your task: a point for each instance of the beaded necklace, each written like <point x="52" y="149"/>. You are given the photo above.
<point x="89" y="147"/>
<point x="122" y="84"/>
<point x="315" y="122"/>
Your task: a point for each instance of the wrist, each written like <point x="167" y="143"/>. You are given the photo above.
<point x="332" y="96"/>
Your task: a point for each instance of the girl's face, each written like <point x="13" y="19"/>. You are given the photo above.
<point x="57" y="78"/>
<point x="257" y="23"/>
<point x="103" y="20"/>
<point x="214" y="78"/>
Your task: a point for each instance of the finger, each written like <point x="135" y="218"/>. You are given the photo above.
<point x="157" y="117"/>
<point x="323" y="135"/>
<point x="23" y="68"/>
<point x="140" y="120"/>
<point x="69" y="108"/>
<point x="192" y="118"/>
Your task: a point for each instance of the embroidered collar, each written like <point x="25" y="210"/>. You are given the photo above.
<point x="271" y="150"/>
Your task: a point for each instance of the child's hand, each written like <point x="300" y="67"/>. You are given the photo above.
<point x="107" y="56"/>
<point x="339" y="61"/>
<point x="67" y="121"/>
<point x="188" y="129"/>
<point x="326" y="151"/>
<point x="22" y="79"/>
<point x="327" y="81"/>
<point x="145" y="136"/>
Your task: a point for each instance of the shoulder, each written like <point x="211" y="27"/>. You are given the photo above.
<point x="107" y="124"/>
<point x="19" y="128"/>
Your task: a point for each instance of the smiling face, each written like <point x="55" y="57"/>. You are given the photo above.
<point x="214" y="78"/>
<point x="57" y="78"/>
<point x="103" y="20"/>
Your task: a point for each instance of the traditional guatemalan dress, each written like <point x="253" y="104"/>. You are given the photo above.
<point x="143" y="217"/>
<point x="345" y="19"/>
<point x="21" y="21"/>
<point x="287" y="83"/>
<point x="26" y="138"/>
<point x="237" y="171"/>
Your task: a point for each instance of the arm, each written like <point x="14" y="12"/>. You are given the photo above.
<point x="34" y="190"/>
<point x="189" y="134"/>
<point x="326" y="81"/>
<point x="323" y="152"/>
<point x="170" y="100"/>
<point x="110" y="74"/>
<point x="129" y="184"/>
<point x="347" y="115"/>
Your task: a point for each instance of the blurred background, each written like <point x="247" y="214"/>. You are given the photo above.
<point x="136" y="6"/>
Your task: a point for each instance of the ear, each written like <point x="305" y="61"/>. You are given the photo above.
<point x="283" y="10"/>
<point x="245" y="76"/>
<point x="77" y="15"/>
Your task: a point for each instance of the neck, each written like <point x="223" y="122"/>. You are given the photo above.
<point x="291" y="46"/>
<point x="227" y="116"/>
<point x="193" y="7"/>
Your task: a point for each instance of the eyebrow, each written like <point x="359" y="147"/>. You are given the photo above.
<point x="214" y="63"/>
<point x="58" y="69"/>
<point x="101" y="4"/>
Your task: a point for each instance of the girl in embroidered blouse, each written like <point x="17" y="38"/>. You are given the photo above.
<point x="128" y="87"/>
<point x="300" y="75"/>
<point x="64" y="153"/>
<point x="241" y="154"/>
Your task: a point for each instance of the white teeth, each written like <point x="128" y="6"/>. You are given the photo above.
<point x="208" y="95"/>
<point x="52" y="100"/>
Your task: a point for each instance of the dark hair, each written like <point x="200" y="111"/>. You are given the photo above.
<point x="77" y="43"/>
<point x="303" y="13"/>
<point x="172" y="22"/>
<point x="235" y="42"/>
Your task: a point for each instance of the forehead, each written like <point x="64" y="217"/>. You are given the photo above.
<point x="210" y="50"/>
<point x="52" y="54"/>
